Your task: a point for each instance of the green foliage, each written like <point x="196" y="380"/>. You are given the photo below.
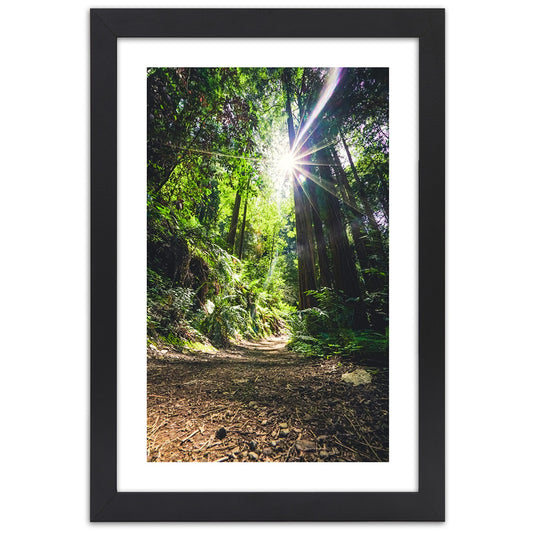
<point x="225" y="321"/>
<point x="326" y="330"/>
<point x="170" y="310"/>
<point x="265" y="307"/>
<point x="215" y="134"/>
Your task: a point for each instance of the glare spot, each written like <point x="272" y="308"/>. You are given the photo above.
<point x="287" y="163"/>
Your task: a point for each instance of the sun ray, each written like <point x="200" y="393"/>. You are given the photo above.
<point x="315" y="149"/>
<point x="332" y="80"/>
<point x="297" y="177"/>
<point x="313" y="164"/>
<point x="328" y="187"/>
<point x="217" y="154"/>
<point x="299" y="143"/>
<point x="300" y="124"/>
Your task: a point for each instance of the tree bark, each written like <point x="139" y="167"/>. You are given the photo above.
<point x="323" y="260"/>
<point x="243" y="227"/>
<point x="304" y="248"/>
<point x="364" y="200"/>
<point x="234" y="222"/>
<point x="344" y="268"/>
<point x="355" y="222"/>
<point x="374" y="282"/>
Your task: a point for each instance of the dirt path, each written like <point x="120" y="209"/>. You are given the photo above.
<point x="260" y="402"/>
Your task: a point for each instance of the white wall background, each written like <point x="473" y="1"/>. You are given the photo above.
<point x="44" y="222"/>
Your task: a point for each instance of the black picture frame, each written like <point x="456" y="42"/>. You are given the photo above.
<point x="106" y="503"/>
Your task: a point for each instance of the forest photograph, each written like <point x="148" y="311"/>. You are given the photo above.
<point x="267" y="264"/>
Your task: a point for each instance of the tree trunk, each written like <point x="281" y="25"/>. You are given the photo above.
<point x="323" y="260"/>
<point x="364" y="199"/>
<point x="304" y="248"/>
<point x="234" y="222"/>
<point x="243" y="227"/>
<point x="372" y="282"/>
<point x="344" y="268"/>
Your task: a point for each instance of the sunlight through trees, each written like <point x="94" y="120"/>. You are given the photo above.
<point x="267" y="207"/>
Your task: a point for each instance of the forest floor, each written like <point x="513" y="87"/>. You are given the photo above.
<point x="257" y="401"/>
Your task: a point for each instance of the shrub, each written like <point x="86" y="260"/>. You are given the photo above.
<point x="224" y="322"/>
<point x="326" y="330"/>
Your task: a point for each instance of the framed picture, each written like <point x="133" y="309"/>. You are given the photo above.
<point x="265" y="345"/>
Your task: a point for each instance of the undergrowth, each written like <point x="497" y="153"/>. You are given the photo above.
<point x="326" y="330"/>
<point x="226" y="306"/>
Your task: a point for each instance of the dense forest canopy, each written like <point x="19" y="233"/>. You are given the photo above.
<point x="267" y="206"/>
